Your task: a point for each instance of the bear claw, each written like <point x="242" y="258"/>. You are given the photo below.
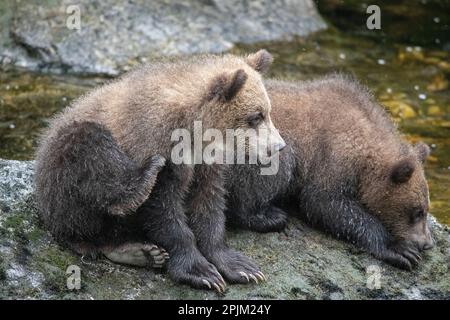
<point x="261" y="276"/>
<point x="158" y="255"/>
<point x="206" y="282"/>
<point x="245" y="276"/>
<point x="219" y="287"/>
<point x="403" y="255"/>
<point x="253" y="278"/>
<point x="236" y="267"/>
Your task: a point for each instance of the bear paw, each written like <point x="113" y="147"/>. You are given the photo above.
<point x="196" y="272"/>
<point x="236" y="267"/>
<point x="137" y="254"/>
<point x="403" y="255"/>
<point x="273" y="219"/>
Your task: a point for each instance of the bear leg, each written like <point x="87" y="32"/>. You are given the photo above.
<point x="207" y="220"/>
<point x="165" y="223"/>
<point x="266" y="219"/>
<point x="347" y="219"/>
<point x="82" y="174"/>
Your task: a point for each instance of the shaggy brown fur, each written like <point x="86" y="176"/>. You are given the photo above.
<point x="346" y="168"/>
<point x="99" y="158"/>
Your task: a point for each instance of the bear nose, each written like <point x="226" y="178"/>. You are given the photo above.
<point x="280" y="146"/>
<point x="276" y="148"/>
<point x="428" y="246"/>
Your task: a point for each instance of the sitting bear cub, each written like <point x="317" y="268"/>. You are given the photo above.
<point x="346" y="169"/>
<point x="101" y="182"/>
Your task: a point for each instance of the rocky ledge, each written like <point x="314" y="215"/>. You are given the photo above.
<point x="109" y="36"/>
<point x="301" y="263"/>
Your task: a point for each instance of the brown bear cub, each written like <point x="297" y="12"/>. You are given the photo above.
<point x="102" y="185"/>
<point x="346" y="169"/>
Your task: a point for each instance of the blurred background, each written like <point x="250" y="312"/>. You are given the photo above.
<point x="53" y="51"/>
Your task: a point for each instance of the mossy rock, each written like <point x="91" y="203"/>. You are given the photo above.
<point x="300" y="263"/>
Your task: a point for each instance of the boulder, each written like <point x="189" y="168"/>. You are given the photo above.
<point x="113" y="34"/>
<point x="300" y="263"/>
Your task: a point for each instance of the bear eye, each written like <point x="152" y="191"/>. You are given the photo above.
<point x="255" y="119"/>
<point x="417" y="215"/>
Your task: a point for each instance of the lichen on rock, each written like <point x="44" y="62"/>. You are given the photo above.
<point x="300" y="263"/>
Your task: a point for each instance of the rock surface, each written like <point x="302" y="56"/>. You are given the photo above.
<point x="114" y="35"/>
<point x="300" y="264"/>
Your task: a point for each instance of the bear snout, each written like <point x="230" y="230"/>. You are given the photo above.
<point x="276" y="147"/>
<point x="428" y="246"/>
<point x="280" y="146"/>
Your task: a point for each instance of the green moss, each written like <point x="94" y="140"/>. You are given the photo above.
<point x="35" y="234"/>
<point x="55" y="279"/>
<point x="14" y="228"/>
<point x="55" y="257"/>
<point x="53" y="263"/>
<point x="19" y="226"/>
<point x="14" y="222"/>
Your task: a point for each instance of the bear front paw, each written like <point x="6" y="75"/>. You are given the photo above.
<point x="404" y="255"/>
<point x="197" y="272"/>
<point x="236" y="267"/>
<point x="269" y="219"/>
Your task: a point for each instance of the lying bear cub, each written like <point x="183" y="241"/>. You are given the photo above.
<point x="102" y="185"/>
<point x="346" y="169"/>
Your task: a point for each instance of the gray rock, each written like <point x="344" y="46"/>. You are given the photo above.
<point x="300" y="263"/>
<point x="115" y="34"/>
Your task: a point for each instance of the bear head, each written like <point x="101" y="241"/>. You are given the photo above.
<point x="399" y="196"/>
<point x="236" y="99"/>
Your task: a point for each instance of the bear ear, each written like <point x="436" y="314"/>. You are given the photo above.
<point x="402" y="171"/>
<point x="260" y="61"/>
<point x="422" y="150"/>
<point x="225" y="86"/>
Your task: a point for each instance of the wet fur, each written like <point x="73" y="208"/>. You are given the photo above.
<point x="339" y="140"/>
<point x="103" y="156"/>
<point x="85" y="183"/>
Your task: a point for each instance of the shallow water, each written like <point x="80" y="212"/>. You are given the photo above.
<point x="412" y="82"/>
